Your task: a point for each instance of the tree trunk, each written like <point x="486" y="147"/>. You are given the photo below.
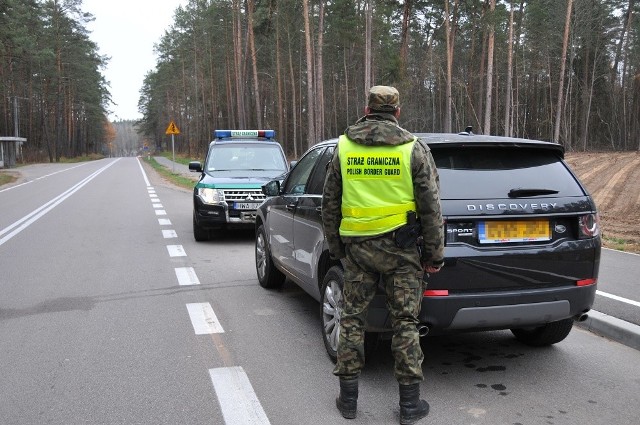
<point x="310" y="98"/>
<point x="404" y="38"/>
<point x="563" y="61"/>
<point x="487" y="113"/>
<point x="320" y="76"/>
<point x="254" y="64"/>
<point x="367" y="41"/>
<point x="508" y="131"/>
<point x="450" y="30"/>
<point x="280" y="84"/>
<point x="238" y="64"/>
<point x="294" y="103"/>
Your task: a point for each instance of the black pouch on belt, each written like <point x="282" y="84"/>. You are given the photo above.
<point x="407" y="235"/>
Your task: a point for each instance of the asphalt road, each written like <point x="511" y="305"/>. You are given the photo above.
<point x="112" y="314"/>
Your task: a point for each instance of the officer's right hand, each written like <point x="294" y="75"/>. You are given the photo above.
<point x="431" y="269"/>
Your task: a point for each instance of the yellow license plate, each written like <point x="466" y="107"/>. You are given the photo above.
<point x="513" y="231"/>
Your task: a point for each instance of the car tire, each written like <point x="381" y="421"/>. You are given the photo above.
<point x="200" y="234"/>
<point x="268" y="275"/>
<point x="548" y="334"/>
<point x="330" y="311"/>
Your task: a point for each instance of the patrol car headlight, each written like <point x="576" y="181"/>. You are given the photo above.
<point x="211" y="196"/>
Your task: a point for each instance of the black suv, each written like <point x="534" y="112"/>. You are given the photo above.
<point x="228" y="192"/>
<point x="522" y="241"/>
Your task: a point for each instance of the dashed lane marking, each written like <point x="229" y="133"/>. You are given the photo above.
<point x="186" y="276"/>
<point x="176" y="251"/>
<point x="238" y="401"/>
<point x="203" y="319"/>
<point x="161" y="212"/>
<point x="168" y="234"/>
<point x="164" y="222"/>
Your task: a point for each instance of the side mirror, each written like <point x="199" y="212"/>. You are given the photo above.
<point x="195" y="166"/>
<point x="292" y="163"/>
<point x="272" y="188"/>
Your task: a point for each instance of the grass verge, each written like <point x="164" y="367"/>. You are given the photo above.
<point x="620" y="244"/>
<point x="6" y="178"/>
<point x="176" y="179"/>
<point x="180" y="159"/>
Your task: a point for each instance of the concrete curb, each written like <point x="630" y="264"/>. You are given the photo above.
<point x="613" y="328"/>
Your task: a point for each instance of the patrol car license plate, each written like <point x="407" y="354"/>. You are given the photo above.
<point x="513" y="231"/>
<point x="246" y="205"/>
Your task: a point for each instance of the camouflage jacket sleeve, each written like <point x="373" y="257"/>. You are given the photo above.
<point x="332" y="207"/>
<point x="426" y="187"/>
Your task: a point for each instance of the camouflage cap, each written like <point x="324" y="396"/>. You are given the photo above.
<point x="383" y="98"/>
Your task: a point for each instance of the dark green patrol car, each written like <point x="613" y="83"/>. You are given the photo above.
<point x="237" y="164"/>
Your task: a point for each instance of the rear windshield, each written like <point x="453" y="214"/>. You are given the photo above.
<point x="487" y="172"/>
<point x="246" y="157"/>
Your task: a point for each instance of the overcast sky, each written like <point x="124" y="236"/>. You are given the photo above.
<point x="126" y="31"/>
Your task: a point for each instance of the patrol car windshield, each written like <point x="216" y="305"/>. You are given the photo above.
<point x="245" y="157"/>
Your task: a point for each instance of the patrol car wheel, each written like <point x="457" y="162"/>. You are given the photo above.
<point x="268" y="275"/>
<point x="548" y="334"/>
<point x="200" y="234"/>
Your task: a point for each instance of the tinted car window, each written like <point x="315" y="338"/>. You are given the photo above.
<point x="297" y="180"/>
<point x="316" y="183"/>
<point x="473" y="173"/>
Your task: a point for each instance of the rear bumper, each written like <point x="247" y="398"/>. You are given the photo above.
<point x="505" y="310"/>
<point x="492" y="311"/>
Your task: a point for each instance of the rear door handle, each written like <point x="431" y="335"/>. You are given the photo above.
<point x="291" y="206"/>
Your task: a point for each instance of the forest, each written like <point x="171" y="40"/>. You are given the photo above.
<point x="53" y="92"/>
<point x="566" y="71"/>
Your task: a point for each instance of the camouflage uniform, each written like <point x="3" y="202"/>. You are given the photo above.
<point x="368" y="259"/>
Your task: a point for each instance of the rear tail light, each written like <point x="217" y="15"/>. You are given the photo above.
<point x="436" y="293"/>
<point x="588" y="226"/>
<point x="586" y="282"/>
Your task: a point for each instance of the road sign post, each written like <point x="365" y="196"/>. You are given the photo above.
<point x="172" y="129"/>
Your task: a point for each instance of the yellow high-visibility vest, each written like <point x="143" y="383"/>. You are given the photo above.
<point x="377" y="188"/>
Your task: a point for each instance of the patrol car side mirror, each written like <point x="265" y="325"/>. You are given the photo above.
<point x="195" y="166"/>
<point x="272" y="188"/>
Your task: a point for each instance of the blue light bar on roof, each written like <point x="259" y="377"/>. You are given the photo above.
<point x="219" y="134"/>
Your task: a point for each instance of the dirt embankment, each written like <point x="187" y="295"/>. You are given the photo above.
<point x="613" y="179"/>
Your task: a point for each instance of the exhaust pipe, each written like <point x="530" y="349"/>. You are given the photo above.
<point x="580" y="317"/>
<point x="423" y="330"/>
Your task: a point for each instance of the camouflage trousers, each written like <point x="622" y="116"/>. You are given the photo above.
<point x="366" y="263"/>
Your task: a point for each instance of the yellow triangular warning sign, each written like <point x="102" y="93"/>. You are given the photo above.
<point x="172" y="129"/>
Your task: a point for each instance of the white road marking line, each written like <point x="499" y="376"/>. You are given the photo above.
<point x="186" y="276"/>
<point x="164" y="222"/>
<point x="168" y="234"/>
<point x="176" y="251"/>
<point x="153" y="195"/>
<point x="617" y="298"/>
<point x="161" y="212"/>
<point x="34" y="215"/>
<point x="43" y="177"/>
<point x="238" y="401"/>
<point x="203" y="319"/>
<point x="144" y="175"/>
<point x="157" y="206"/>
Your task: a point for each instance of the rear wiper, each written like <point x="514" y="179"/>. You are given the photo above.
<point x="523" y="192"/>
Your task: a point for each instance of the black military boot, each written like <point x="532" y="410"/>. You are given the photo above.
<point x="412" y="409"/>
<point x="347" y="402"/>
